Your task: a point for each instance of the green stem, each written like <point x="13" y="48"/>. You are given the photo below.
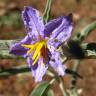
<point x="47" y="11"/>
<point x="73" y="89"/>
<point x="61" y="85"/>
<point x="16" y="70"/>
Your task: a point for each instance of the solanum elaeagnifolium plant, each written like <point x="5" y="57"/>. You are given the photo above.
<point x="40" y="44"/>
<point x="41" y="47"/>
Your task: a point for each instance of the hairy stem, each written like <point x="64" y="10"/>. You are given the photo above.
<point x="73" y="89"/>
<point x="61" y="85"/>
<point x="47" y="11"/>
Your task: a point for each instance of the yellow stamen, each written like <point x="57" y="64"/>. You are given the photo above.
<point x="39" y="46"/>
<point x="27" y="46"/>
<point x="36" y="59"/>
<point x="30" y="51"/>
<point x="39" y="49"/>
<point x="31" y="47"/>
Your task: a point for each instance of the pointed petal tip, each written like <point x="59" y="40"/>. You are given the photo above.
<point x="27" y="7"/>
<point x="70" y="17"/>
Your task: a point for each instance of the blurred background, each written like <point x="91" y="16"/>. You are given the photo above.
<point x="11" y="27"/>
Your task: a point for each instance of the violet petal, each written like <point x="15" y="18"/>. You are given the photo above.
<point x="62" y="32"/>
<point x="17" y="49"/>
<point x="40" y="71"/>
<point x="33" y="22"/>
<point x="56" y="63"/>
<point x="51" y="26"/>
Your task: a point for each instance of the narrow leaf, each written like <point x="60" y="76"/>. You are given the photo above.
<point x="90" y="48"/>
<point x="85" y="32"/>
<point x="40" y="89"/>
<point x="49" y="93"/>
<point x="13" y="71"/>
<point x="47" y="11"/>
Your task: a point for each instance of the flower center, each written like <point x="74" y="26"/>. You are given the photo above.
<point x="39" y="49"/>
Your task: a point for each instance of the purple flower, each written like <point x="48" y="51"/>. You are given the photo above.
<point x="39" y="46"/>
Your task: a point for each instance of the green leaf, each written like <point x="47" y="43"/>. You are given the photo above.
<point x="90" y="49"/>
<point x="13" y="71"/>
<point x="85" y="32"/>
<point x="91" y="46"/>
<point x="19" y="69"/>
<point x="5" y="48"/>
<point x="50" y="93"/>
<point x="47" y="11"/>
<point x="40" y="89"/>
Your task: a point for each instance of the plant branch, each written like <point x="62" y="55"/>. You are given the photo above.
<point x="73" y="89"/>
<point x="61" y="85"/>
<point x="85" y="32"/>
<point x="47" y="11"/>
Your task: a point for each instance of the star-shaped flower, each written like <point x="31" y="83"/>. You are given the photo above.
<point x="39" y="46"/>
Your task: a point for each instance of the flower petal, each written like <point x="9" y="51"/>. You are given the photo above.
<point x="51" y="26"/>
<point x="40" y="71"/>
<point x="17" y="49"/>
<point x="33" y="22"/>
<point x="30" y="61"/>
<point x="56" y="63"/>
<point x="62" y="32"/>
